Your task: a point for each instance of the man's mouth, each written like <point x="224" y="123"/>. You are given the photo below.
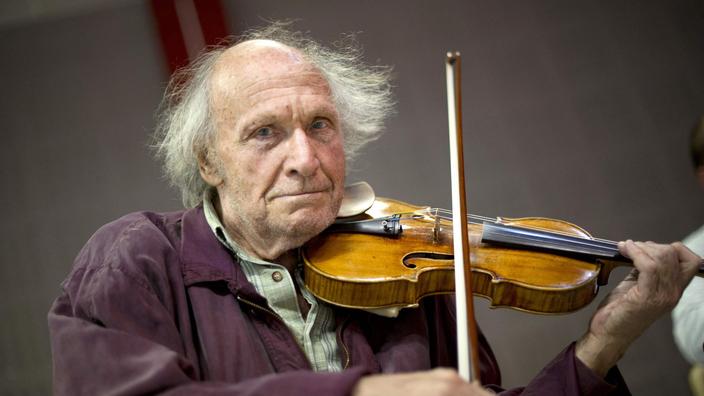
<point x="301" y="194"/>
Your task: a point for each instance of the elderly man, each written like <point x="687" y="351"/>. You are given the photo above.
<point x="211" y="300"/>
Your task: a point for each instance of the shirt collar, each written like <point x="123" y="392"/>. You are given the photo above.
<point x="215" y="224"/>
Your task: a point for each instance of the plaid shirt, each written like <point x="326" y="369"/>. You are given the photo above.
<point x="316" y="333"/>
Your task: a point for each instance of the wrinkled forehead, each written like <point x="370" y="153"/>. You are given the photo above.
<point x="247" y="65"/>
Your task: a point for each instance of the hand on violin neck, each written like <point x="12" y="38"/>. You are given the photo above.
<point x="440" y="381"/>
<point x="652" y="289"/>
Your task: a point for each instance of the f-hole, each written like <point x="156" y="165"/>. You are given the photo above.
<point x="425" y="256"/>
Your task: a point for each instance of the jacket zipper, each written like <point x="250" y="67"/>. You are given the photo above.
<point x="342" y="344"/>
<point x="279" y="318"/>
<point x="345" y="351"/>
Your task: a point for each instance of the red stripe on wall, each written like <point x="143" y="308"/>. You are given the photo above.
<point x="212" y="24"/>
<point x="170" y="33"/>
<point x="212" y="20"/>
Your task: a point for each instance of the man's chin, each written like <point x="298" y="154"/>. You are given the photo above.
<point x="305" y="218"/>
<point x="307" y="223"/>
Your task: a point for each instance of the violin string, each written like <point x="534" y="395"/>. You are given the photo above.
<point x="589" y="243"/>
<point x="493" y="219"/>
<point x="585" y="241"/>
<point x="471" y="217"/>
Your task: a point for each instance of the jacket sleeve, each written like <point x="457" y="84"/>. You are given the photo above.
<point x="114" y="331"/>
<point x="566" y="375"/>
<point x="126" y="347"/>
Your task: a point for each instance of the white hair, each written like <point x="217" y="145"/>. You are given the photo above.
<point x="185" y="128"/>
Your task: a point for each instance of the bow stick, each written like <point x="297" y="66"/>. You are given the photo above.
<point x="466" y="326"/>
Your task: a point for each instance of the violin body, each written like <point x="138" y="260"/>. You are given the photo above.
<point x="360" y="270"/>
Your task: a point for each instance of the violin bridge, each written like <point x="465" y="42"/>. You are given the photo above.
<point x="436" y="227"/>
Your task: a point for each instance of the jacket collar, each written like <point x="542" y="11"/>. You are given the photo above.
<point x="205" y="259"/>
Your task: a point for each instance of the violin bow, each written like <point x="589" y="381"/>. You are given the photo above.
<point x="467" y="354"/>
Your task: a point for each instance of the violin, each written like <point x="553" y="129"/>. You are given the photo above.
<point x="395" y="253"/>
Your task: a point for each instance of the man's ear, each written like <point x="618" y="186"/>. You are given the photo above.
<point x="700" y="175"/>
<point x="208" y="170"/>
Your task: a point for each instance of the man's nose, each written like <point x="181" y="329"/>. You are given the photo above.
<point x="302" y="156"/>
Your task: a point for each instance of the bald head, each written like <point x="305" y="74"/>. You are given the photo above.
<point x="255" y="57"/>
<point x="257" y="50"/>
<point x="243" y="70"/>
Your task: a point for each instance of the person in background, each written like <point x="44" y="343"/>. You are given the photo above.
<point x="688" y="315"/>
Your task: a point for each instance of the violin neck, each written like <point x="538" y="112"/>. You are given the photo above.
<point x="605" y="252"/>
<point x="550" y="241"/>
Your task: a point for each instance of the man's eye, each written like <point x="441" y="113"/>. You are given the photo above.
<point x="263" y="132"/>
<point x="319" y="124"/>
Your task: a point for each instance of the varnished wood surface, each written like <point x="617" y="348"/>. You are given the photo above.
<point x="362" y="271"/>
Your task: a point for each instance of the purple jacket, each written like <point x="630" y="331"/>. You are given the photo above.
<point x="155" y="304"/>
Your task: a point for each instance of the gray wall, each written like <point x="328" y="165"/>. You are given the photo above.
<point x="577" y="111"/>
